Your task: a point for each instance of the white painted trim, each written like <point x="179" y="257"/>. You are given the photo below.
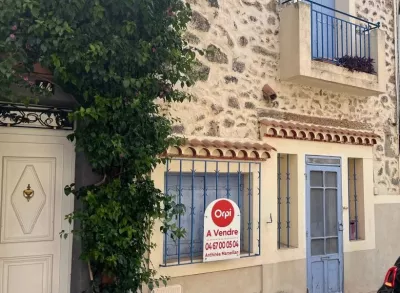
<point x="67" y="208"/>
<point x="16" y="131"/>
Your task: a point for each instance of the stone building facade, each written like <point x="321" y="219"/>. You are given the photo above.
<point x="230" y="115"/>
<point x="307" y="150"/>
<point x="229" y="101"/>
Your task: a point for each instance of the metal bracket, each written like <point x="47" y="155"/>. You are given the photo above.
<point x="270" y="219"/>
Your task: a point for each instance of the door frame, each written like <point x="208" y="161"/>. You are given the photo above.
<point x="39" y="136"/>
<point x="328" y="167"/>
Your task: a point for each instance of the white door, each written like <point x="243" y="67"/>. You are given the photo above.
<point x="33" y="257"/>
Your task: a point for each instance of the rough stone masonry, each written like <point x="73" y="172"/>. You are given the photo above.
<point x="244" y="38"/>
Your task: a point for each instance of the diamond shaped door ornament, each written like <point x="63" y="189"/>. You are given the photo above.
<point x="28" y="199"/>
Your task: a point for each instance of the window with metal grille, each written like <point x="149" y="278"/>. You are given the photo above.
<point x="356" y="199"/>
<point x="195" y="184"/>
<point x="287" y="201"/>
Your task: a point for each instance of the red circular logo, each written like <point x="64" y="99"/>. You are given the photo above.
<point x="222" y="213"/>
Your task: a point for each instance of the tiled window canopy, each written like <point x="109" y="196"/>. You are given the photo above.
<point x="214" y="148"/>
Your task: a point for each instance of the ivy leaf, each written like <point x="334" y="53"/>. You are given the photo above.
<point x="35" y="12"/>
<point x="126" y="83"/>
<point x="115" y="61"/>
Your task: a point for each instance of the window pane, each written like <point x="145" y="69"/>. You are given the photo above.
<point x="356" y="199"/>
<point x="316" y="178"/>
<point x="330" y="179"/>
<point x="331" y="221"/>
<point x="323" y="161"/>
<point x="287" y="196"/>
<point x="317" y="247"/>
<point x="332" y="245"/>
<point x="317" y="212"/>
<point x="196" y="192"/>
<point x="186" y="219"/>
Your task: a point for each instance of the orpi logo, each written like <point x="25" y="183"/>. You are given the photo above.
<point x="222" y="213"/>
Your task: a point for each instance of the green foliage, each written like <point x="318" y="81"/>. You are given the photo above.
<point x="355" y="63"/>
<point x="116" y="58"/>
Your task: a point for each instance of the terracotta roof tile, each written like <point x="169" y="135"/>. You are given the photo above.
<point x="226" y="149"/>
<point x="229" y="144"/>
<point x="317" y="132"/>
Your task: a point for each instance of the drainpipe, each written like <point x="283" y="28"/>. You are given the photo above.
<point x="397" y="61"/>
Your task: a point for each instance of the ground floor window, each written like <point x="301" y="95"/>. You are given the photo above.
<point x="287" y="197"/>
<point x="356" y="199"/>
<point x="195" y="184"/>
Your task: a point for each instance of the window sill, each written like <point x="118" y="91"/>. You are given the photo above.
<point x="356" y="240"/>
<point x="285" y="248"/>
<point x="195" y="268"/>
<point x="199" y="260"/>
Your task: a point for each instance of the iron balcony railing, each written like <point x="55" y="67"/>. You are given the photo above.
<point x="335" y="34"/>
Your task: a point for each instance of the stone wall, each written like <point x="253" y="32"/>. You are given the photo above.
<point x="244" y="36"/>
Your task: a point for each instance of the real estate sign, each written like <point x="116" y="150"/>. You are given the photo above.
<point x="221" y="231"/>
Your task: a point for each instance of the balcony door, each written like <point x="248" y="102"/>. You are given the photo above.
<point x="323" y="29"/>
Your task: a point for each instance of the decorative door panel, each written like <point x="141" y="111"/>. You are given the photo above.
<point x="317" y="271"/>
<point x="28" y="199"/>
<point x="333" y="273"/>
<point x="26" y="274"/>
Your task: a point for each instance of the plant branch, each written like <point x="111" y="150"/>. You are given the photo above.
<point x="102" y="181"/>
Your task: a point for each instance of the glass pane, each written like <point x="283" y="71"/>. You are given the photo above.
<point x="331" y="221"/>
<point x="332" y="245"/>
<point x="317" y="212"/>
<point x="316" y="178"/>
<point x="192" y="194"/>
<point x="330" y="179"/>
<point x="317" y="247"/>
<point x="323" y="161"/>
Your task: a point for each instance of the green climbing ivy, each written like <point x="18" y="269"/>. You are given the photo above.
<point x="117" y="58"/>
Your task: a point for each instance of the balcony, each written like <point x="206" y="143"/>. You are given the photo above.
<point x="325" y="48"/>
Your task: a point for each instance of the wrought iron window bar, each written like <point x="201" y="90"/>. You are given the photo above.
<point x="237" y="181"/>
<point x="286" y="197"/>
<point x="353" y="201"/>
